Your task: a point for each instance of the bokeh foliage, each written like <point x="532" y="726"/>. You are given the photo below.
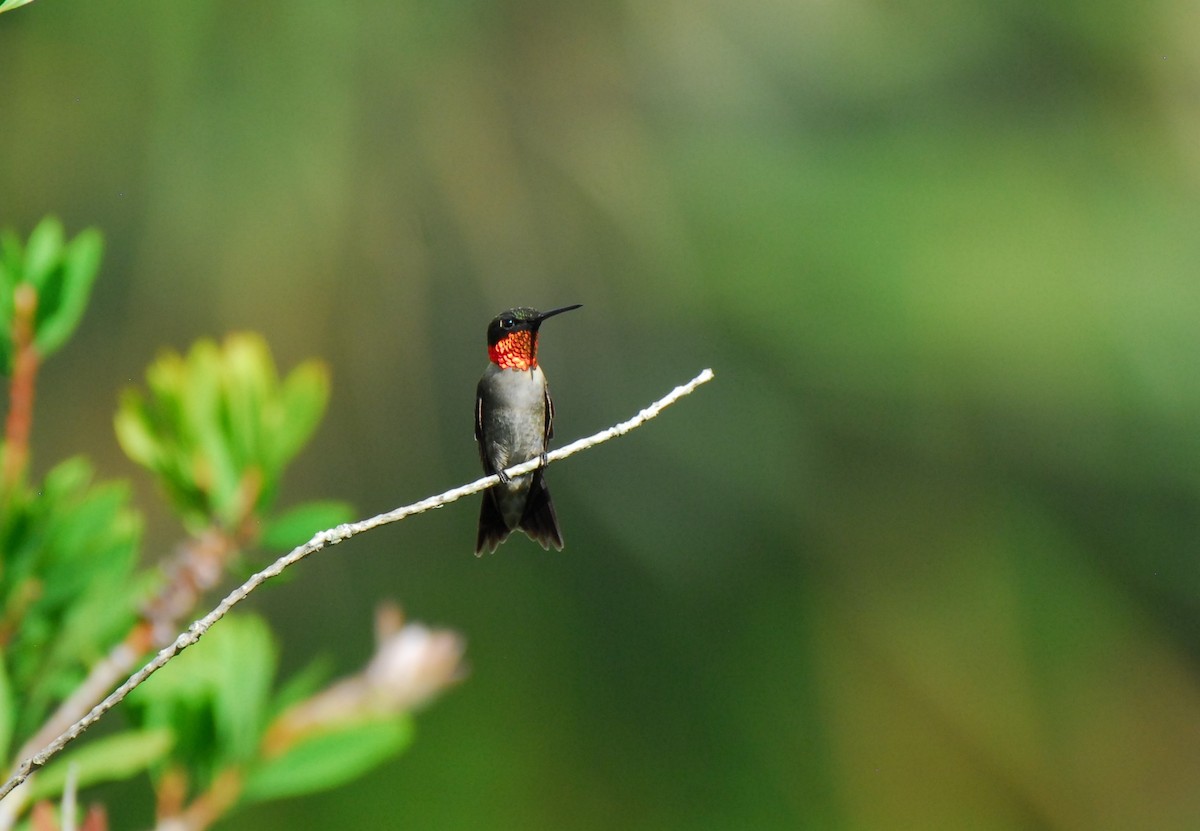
<point x="217" y="430"/>
<point x="218" y="426"/>
<point x="70" y="547"/>
<point x="68" y="589"/>
<point x="60" y="272"/>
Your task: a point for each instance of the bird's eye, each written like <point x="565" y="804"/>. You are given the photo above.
<point x="507" y="323"/>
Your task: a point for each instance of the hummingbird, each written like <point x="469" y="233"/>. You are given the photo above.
<point x="514" y="422"/>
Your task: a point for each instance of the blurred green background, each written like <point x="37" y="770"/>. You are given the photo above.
<point x="923" y="556"/>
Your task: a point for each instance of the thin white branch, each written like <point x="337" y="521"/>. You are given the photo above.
<point x="319" y="541"/>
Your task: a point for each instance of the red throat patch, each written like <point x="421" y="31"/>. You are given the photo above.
<point x="516" y="351"/>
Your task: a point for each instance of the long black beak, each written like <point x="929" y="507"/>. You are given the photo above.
<point x="545" y="315"/>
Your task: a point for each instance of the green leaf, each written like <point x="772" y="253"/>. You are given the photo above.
<point x="80" y="265"/>
<point x="305" y="394"/>
<point x="328" y="760"/>
<point x="297" y="525"/>
<point x="108" y="759"/>
<point x="42" y="252"/>
<point x="67" y="478"/>
<point x="134" y="432"/>
<point x="249" y="379"/>
<point x="217" y="470"/>
<point x="9" y="5"/>
<point x="247" y="658"/>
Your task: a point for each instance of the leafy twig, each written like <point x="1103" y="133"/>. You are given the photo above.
<point x="318" y="542"/>
<point x="195" y="568"/>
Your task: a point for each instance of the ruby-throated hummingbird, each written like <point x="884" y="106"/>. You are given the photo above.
<point x="514" y="421"/>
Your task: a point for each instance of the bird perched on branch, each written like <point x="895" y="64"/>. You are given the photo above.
<point x="514" y="421"/>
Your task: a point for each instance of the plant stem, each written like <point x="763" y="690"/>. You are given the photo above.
<point x="21" y="389"/>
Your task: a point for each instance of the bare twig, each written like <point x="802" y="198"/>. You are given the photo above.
<point x="319" y="541"/>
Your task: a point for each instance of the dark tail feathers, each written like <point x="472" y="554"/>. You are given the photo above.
<point x="492" y="530"/>
<point x="538" y="522"/>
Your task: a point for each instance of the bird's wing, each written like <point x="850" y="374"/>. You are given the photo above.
<point x="483" y="456"/>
